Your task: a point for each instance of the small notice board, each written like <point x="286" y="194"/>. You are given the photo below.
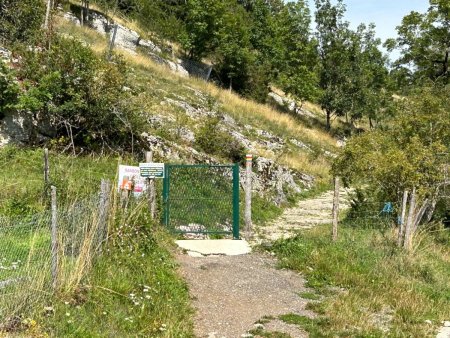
<point x="151" y="170"/>
<point x="130" y="180"/>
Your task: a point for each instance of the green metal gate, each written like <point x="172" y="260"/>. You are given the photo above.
<point x="202" y="199"/>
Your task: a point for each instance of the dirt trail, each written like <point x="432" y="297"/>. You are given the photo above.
<point x="232" y="293"/>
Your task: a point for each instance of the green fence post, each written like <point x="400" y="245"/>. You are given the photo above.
<point x="236" y="201"/>
<point x="166" y="195"/>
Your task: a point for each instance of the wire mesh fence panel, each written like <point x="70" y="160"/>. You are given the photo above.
<point x="25" y="260"/>
<point x="368" y="214"/>
<point x="201" y="199"/>
<point x="26" y="253"/>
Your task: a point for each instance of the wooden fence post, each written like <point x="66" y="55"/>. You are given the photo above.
<point x="401" y="226"/>
<point x="54" y="239"/>
<point x="82" y="13"/>
<point x="46" y="167"/>
<point x="112" y="42"/>
<point x="105" y="188"/>
<point x="151" y="188"/>
<point x="335" y="208"/>
<point x="47" y="14"/>
<point x="410" y="221"/>
<point x="248" y="195"/>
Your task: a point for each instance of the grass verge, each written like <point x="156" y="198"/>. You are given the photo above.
<point x="370" y="288"/>
<point x="137" y="294"/>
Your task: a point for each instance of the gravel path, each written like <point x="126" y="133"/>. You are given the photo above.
<point x="306" y="214"/>
<point x="232" y="293"/>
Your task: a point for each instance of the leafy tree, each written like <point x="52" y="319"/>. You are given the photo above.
<point x="333" y="36"/>
<point x="353" y="76"/>
<point x="297" y="54"/>
<point x="368" y="88"/>
<point x="424" y="43"/>
<point x="404" y="153"/>
<point x="203" y="21"/>
<point x="233" y="51"/>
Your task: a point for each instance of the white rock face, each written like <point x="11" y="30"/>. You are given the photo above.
<point x="127" y="39"/>
<point x="150" y="45"/>
<point x="5" y="54"/>
<point x="13" y="128"/>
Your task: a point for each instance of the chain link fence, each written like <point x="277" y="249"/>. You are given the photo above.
<point x="202" y="199"/>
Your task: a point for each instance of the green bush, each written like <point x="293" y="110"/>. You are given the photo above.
<point x="83" y="96"/>
<point x="212" y="140"/>
<point x="9" y="89"/>
<point x="21" y="20"/>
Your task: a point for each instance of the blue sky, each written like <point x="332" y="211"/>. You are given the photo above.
<point x="386" y="14"/>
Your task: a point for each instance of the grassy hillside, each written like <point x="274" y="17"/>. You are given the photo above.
<point x="155" y="84"/>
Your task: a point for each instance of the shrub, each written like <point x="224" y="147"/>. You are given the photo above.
<point x="9" y="89"/>
<point x="212" y="140"/>
<point x="82" y="95"/>
<point x="21" y="20"/>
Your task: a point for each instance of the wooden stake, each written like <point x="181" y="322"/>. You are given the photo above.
<point x="151" y="188"/>
<point x="47" y="14"/>
<point x="82" y="14"/>
<point x="54" y="239"/>
<point x="410" y="221"/>
<point x="105" y="188"/>
<point x="335" y="208"/>
<point x="112" y="42"/>
<point x="46" y="167"/>
<point x="401" y="226"/>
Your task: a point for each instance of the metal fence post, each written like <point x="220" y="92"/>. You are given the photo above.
<point x="166" y="183"/>
<point x="248" y="195"/>
<point x="236" y="201"/>
<point x="54" y="239"/>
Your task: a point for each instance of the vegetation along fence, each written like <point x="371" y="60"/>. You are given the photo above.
<point x="202" y="199"/>
<point x="49" y="251"/>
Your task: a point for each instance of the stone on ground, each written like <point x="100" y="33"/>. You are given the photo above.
<point x="208" y="247"/>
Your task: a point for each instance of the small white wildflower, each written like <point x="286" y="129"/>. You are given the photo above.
<point x="67" y="314"/>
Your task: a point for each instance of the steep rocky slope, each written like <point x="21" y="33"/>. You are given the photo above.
<point x="289" y="156"/>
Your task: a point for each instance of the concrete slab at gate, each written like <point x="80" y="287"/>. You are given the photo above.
<point x="208" y="247"/>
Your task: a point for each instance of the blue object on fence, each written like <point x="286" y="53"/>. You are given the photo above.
<point x="388" y="208"/>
